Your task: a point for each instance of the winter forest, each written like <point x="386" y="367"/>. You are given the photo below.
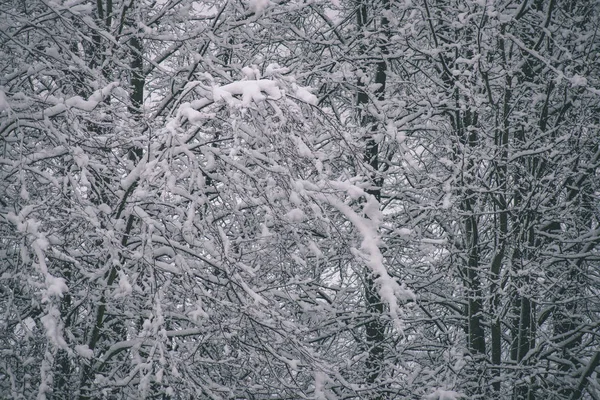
<point x="300" y="199"/>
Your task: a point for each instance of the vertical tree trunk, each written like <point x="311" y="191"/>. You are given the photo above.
<point x="502" y="212"/>
<point x="375" y="328"/>
<point x="136" y="98"/>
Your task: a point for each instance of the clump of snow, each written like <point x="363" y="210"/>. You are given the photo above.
<point x="304" y="94"/>
<point x="159" y="375"/>
<point x="351" y="189"/>
<point x="250" y="91"/>
<point x="81" y="159"/>
<point x="258" y="6"/>
<point x="46" y="375"/>
<point x="193" y="116"/>
<point x="578" y="80"/>
<point x="295" y="215"/>
<point x="77" y="8"/>
<point x="315" y="249"/>
<point x="93" y="100"/>
<point x="198" y="313"/>
<point x="293" y="364"/>
<point x="84" y="351"/>
<point x="24" y="193"/>
<point x="104" y="208"/>
<point x="275" y="68"/>
<point x="372" y="210"/>
<point x="134" y="174"/>
<point x="93" y="217"/>
<point x="302" y="148"/>
<point x="447" y="201"/>
<point x="125" y="288"/>
<point x="264" y="231"/>
<point x="404" y="231"/>
<point x="320" y="380"/>
<point x="295" y="199"/>
<point x="55" y="287"/>
<point x="51" y="323"/>
<point x="251" y="73"/>
<point x="441" y="394"/>
<point x="52" y="52"/>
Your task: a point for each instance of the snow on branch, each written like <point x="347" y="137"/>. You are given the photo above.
<point x="235" y="94"/>
<point x="369" y="253"/>
<point x="92" y="102"/>
<point x="249" y="91"/>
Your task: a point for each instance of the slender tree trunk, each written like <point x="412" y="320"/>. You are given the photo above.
<point x="375" y="328"/>
<point x="136" y="98"/>
<point x="501" y="141"/>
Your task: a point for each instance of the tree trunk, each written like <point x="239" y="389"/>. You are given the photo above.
<point x="375" y="328"/>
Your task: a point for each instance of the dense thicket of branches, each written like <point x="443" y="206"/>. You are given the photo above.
<point x="365" y="199"/>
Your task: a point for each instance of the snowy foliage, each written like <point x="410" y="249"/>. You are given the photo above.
<point x="302" y="200"/>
